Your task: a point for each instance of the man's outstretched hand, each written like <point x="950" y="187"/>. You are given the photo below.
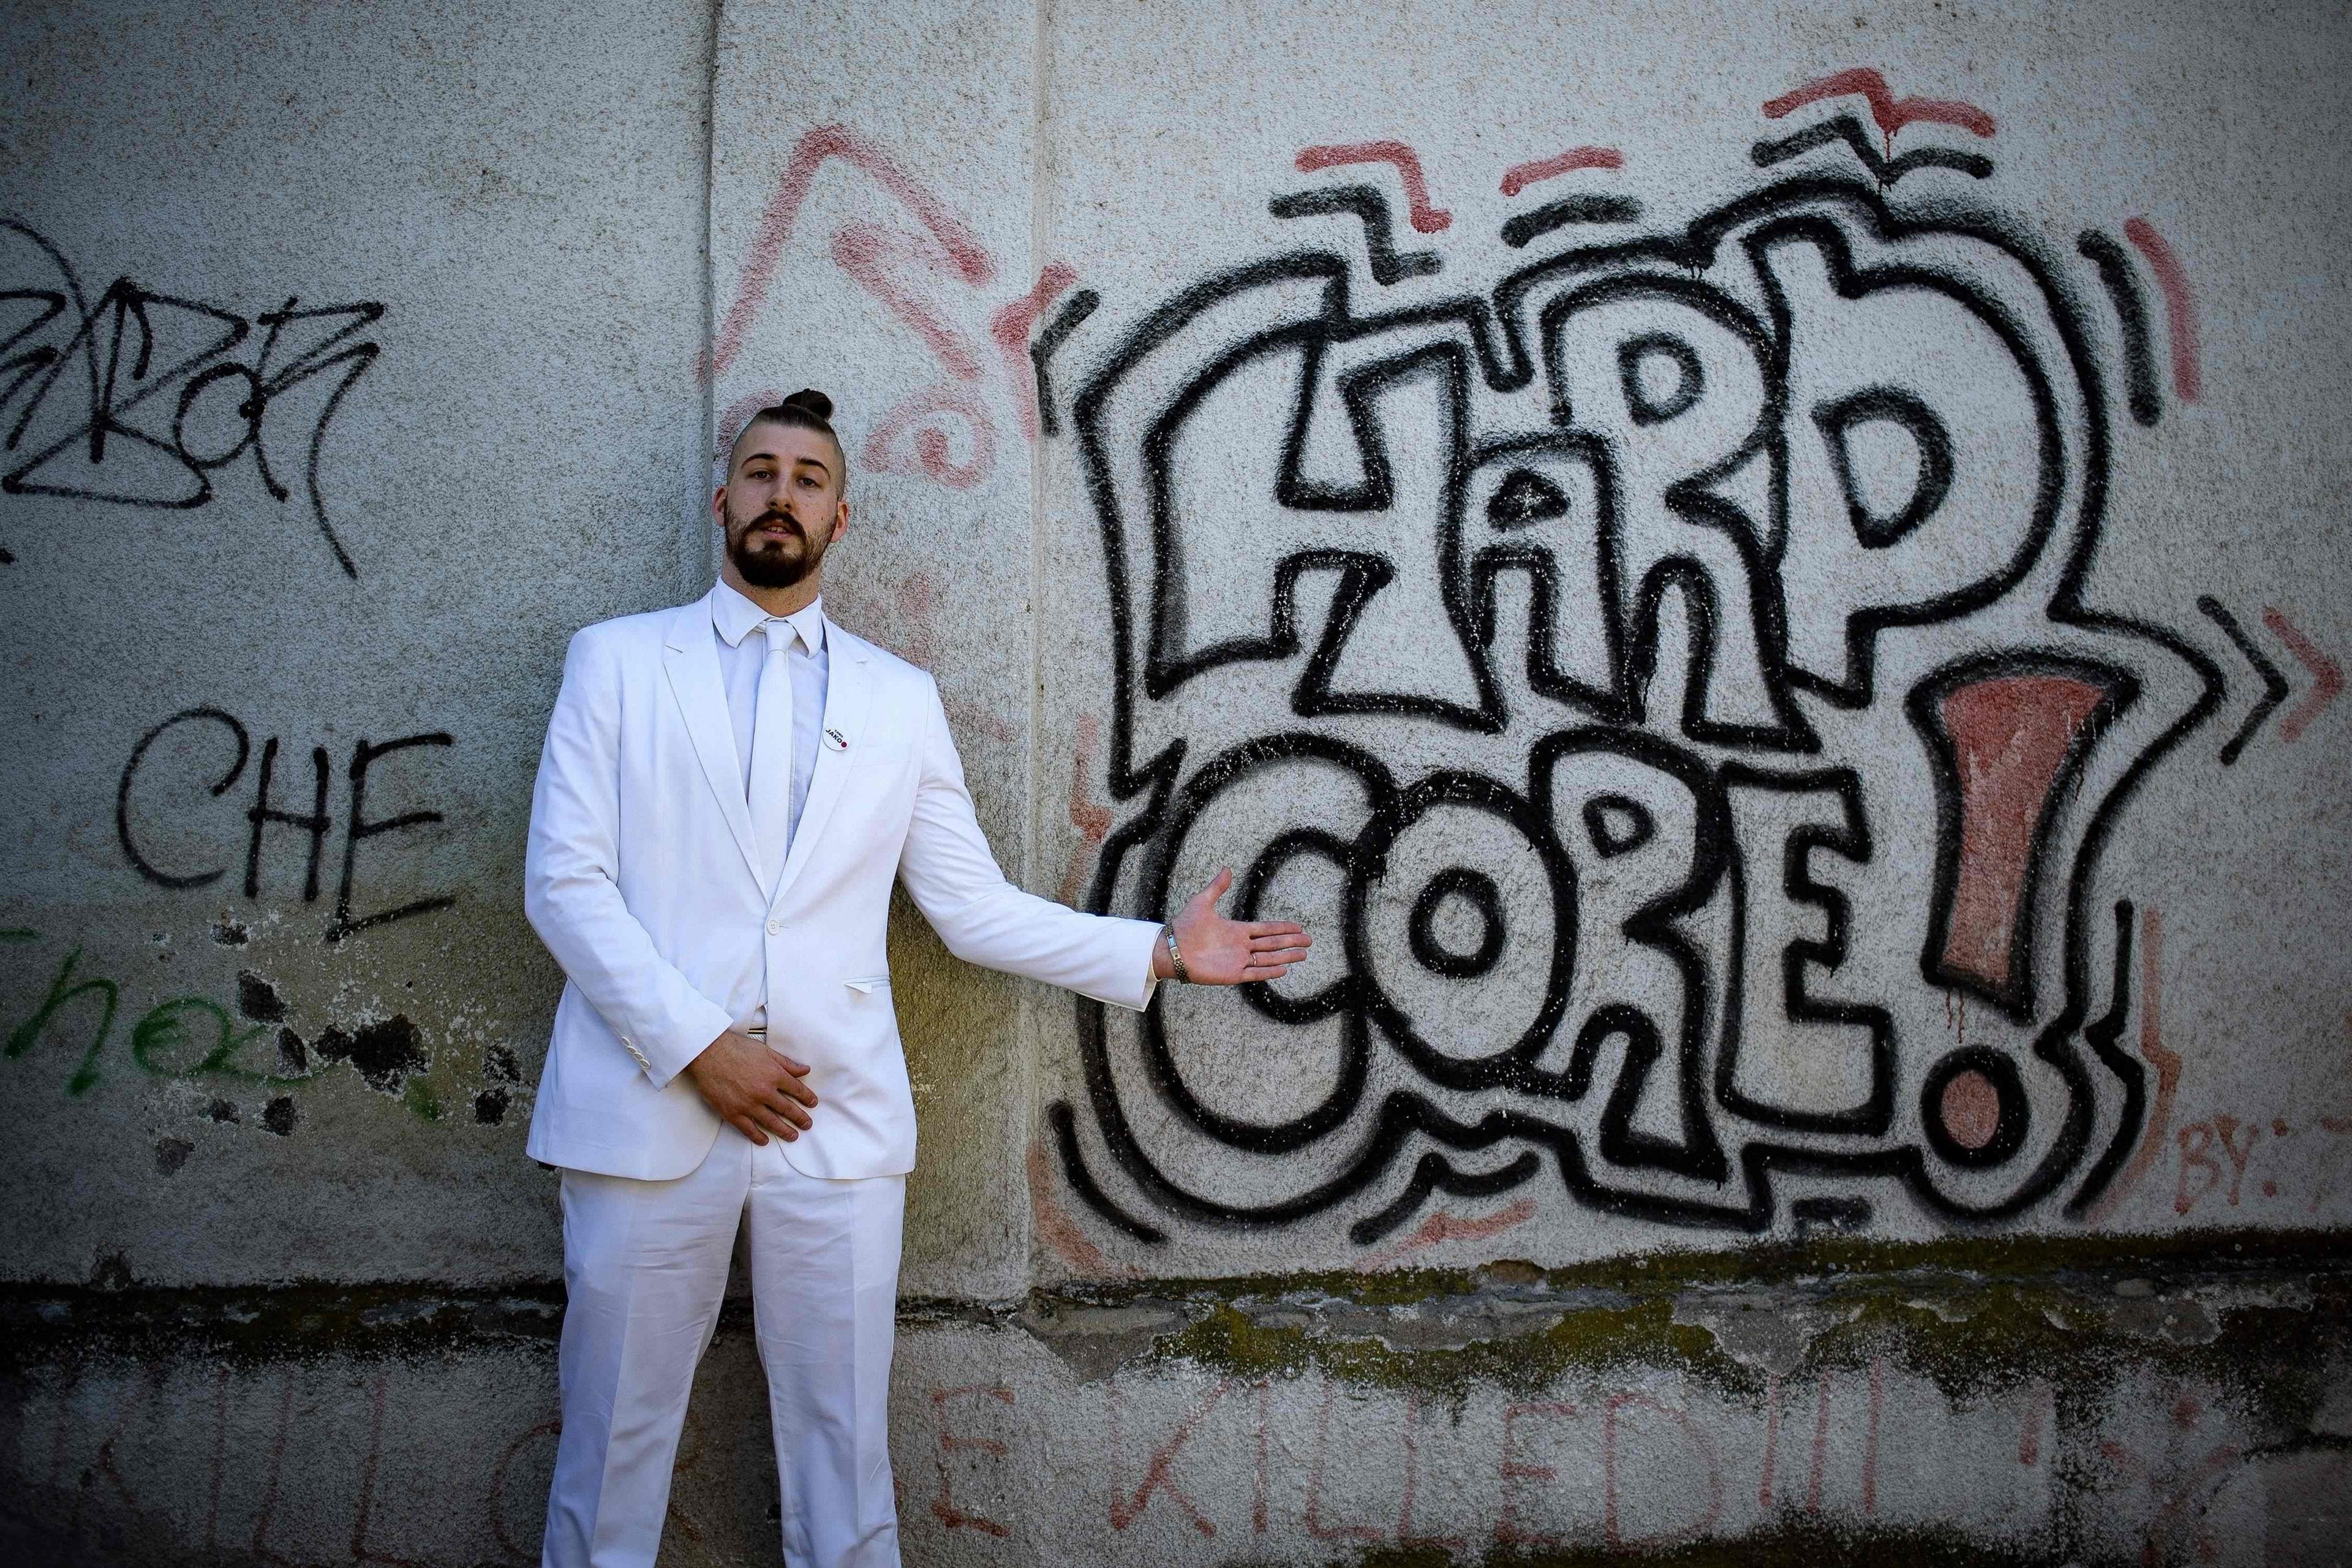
<point x="1218" y="951"/>
<point x="756" y="1090"/>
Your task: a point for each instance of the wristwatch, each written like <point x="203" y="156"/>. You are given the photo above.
<point x="1175" y="953"/>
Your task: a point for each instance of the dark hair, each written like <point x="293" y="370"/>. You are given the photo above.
<point x="808" y="409"/>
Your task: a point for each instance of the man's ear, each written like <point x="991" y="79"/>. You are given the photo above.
<point x="719" y="506"/>
<point x="840" y="522"/>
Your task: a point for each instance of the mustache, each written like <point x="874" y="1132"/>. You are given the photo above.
<point x="772" y="516"/>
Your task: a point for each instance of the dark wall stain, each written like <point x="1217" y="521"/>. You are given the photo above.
<point x="491" y="1107"/>
<point x="281" y="1115"/>
<point x="385" y="1053"/>
<point x="170" y="1153"/>
<point x="257" y="999"/>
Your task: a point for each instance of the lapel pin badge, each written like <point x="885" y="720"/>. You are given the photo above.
<point x="837" y="741"/>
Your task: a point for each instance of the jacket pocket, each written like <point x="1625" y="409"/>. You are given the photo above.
<point x="870" y="984"/>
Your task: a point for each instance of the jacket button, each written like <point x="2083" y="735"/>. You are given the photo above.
<point x="776" y="927"/>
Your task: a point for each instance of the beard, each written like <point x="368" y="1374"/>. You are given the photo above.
<point x="767" y="563"/>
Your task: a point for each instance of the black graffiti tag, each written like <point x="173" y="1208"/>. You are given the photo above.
<point x="138" y="398"/>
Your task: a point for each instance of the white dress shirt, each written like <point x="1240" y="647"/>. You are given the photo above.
<point x="743" y="663"/>
<point x="733" y="619"/>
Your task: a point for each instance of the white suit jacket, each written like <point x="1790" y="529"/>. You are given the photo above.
<point x="641" y="877"/>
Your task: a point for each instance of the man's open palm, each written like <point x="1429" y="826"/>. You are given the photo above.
<point x="1221" y="951"/>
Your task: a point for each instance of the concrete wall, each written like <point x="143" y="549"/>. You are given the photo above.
<point x="1778" y="623"/>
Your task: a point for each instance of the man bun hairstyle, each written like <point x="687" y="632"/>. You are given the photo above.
<point x="808" y="409"/>
<point x="809" y="399"/>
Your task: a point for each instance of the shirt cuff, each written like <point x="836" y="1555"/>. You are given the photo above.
<point x="1151" y="967"/>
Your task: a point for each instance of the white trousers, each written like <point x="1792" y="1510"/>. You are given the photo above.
<point x="645" y="1266"/>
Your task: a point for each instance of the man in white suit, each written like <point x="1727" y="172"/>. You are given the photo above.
<point x="727" y="791"/>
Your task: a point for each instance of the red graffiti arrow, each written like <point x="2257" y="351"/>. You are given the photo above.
<point x="2326" y="676"/>
<point x="1891" y="112"/>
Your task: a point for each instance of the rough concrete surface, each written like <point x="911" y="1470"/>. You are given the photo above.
<point x="1766" y="579"/>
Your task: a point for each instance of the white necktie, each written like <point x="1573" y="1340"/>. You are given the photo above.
<point x="772" y="756"/>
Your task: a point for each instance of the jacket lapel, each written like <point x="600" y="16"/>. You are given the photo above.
<point x="691" y="661"/>
<point x="848" y="688"/>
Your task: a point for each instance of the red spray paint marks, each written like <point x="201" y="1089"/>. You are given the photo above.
<point x="730" y="420"/>
<point x="1507" y="1528"/>
<point x="810" y="153"/>
<point x="1971" y="1109"/>
<point x="943" y="1507"/>
<point x="1315" y="1525"/>
<point x="2179" y="310"/>
<point x="922" y="417"/>
<point x="1010" y="327"/>
<point x="1891" y="114"/>
<point x="276" y="1467"/>
<point x="1520" y="176"/>
<point x="1092" y="821"/>
<point x="551" y="1428"/>
<point x="2037" y="1410"/>
<point x="1700" y="1444"/>
<point x="1404" y="1531"/>
<point x="1870" y="1437"/>
<point x="1820" y="1449"/>
<point x="1771" y="1439"/>
<point x="2182" y="1483"/>
<point x="2152" y="1050"/>
<point x="1160" y="1470"/>
<point x="1055" y="1226"/>
<point x="1443" y="1227"/>
<point x="220" y="1461"/>
<point x="1425" y="218"/>
<point x="2012" y="737"/>
<point x="875" y="257"/>
<point x="1258" y="1485"/>
<point x="2326" y="676"/>
<point x="360" y="1549"/>
<point x="2198" y="1142"/>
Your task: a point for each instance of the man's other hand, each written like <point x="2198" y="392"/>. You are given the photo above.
<point x="756" y="1090"/>
<point x="1218" y="951"/>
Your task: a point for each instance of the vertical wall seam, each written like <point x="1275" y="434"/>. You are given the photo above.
<point x="1031" y="1020"/>
<point x="708" y="565"/>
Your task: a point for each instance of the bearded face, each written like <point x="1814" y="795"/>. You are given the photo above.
<point x="782" y="506"/>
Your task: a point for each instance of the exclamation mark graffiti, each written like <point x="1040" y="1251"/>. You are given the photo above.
<point x="2009" y="737"/>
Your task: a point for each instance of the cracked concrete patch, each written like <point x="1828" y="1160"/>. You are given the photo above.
<point x="1096" y="1341"/>
<point x="1768" y="1331"/>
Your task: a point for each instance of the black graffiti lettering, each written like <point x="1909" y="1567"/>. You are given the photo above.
<point x="316" y="821"/>
<point x="1617" y="825"/>
<point x="2146" y="403"/>
<point x="363" y="756"/>
<point x="219" y="786"/>
<point x="1637" y="355"/>
<point x="1524" y="228"/>
<point x="135" y="346"/>
<point x="1847" y="131"/>
<point x="1387" y="264"/>
<point x="1457" y="888"/>
<point x="1537" y="655"/>
<point x="266" y="810"/>
<point x="1839" y="1056"/>
<point x="1879" y="526"/>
